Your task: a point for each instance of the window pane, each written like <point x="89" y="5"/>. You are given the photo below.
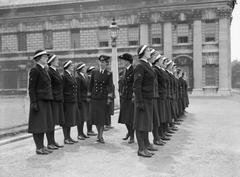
<point x="210" y="31"/>
<point x="133" y="34"/>
<point x="210" y="72"/>
<point x="103" y="44"/>
<point x="156" y="40"/>
<point x="183" y="39"/>
<point x="182" y="30"/>
<point x="132" y="43"/>
<point x="22" y="41"/>
<point x="48" y="39"/>
<point x="75" y="38"/>
<point x="103" y="34"/>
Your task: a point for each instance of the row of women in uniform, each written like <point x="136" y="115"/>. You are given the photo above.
<point x="64" y="100"/>
<point x="153" y="97"/>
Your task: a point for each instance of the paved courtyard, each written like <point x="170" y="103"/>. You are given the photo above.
<point x="206" y="145"/>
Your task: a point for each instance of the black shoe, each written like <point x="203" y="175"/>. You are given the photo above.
<point x="41" y="152"/>
<point x="167" y="134"/>
<point x="52" y="147"/>
<point x="67" y="141"/>
<point x="151" y="148"/>
<point x="126" y="137"/>
<point x="177" y="123"/>
<point x="74" y="141"/>
<point x="101" y="140"/>
<point x="57" y="145"/>
<point x="81" y="137"/>
<point x="164" y="138"/>
<point x="170" y="131"/>
<point x="47" y="150"/>
<point x="144" y="154"/>
<point x="109" y="127"/>
<point x="131" y="141"/>
<point x="91" y="133"/>
<point x="158" y="143"/>
<point x="85" y="136"/>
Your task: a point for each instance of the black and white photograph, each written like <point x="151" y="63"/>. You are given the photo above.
<point x="119" y="88"/>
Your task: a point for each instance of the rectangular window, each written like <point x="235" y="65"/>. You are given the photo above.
<point x="182" y="39"/>
<point x="22" y="41"/>
<point x="211" y="75"/>
<point x="156" y="33"/>
<point x="182" y="33"/>
<point x="133" y="35"/>
<point x="103" y="37"/>
<point x="22" y="79"/>
<point x="48" y="39"/>
<point x="75" y="38"/>
<point x="210" y="31"/>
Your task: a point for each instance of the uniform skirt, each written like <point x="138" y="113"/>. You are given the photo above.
<point x="99" y="112"/>
<point x="126" y="111"/>
<point x="168" y="111"/>
<point x="143" y="120"/>
<point x="84" y="111"/>
<point x="42" y="120"/>
<point x="71" y="114"/>
<point x="162" y="110"/>
<point x="58" y="113"/>
<point x="156" y="119"/>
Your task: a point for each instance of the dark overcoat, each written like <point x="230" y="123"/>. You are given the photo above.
<point x="100" y="90"/>
<point x="40" y="93"/>
<point x="57" y="90"/>
<point x="126" y="97"/>
<point x="71" y="111"/>
<point x="143" y="88"/>
<point x="83" y="105"/>
<point x="162" y="78"/>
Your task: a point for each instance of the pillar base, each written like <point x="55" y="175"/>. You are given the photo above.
<point x="224" y="92"/>
<point x="197" y="92"/>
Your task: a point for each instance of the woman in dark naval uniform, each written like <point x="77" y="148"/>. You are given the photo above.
<point x="57" y="103"/>
<point x="40" y="93"/>
<point x="143" y="88"/>
<point x="126" y="96"/>
<point x="71" y="112"/>
<point x="100" y="92"/>
<point x="83" y="105"/>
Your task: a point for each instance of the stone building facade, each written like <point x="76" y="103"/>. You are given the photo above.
<point x="194" y="33"/>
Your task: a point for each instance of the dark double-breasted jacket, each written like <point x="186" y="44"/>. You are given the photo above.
<point x="57" y="84"/>
<point x="162" y="78"/>
<point x="69" y="88"/>
<point x="126" y="91"/>
<point x="39" y="85"/>
<point x="82" y="82"/>
<point x="144" y="77"/>
<point x="101" y="85"/>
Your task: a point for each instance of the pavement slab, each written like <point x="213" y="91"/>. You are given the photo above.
<point x="207" y="144"/>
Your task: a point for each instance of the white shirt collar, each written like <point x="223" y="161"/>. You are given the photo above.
<point x="69" y="72"/>
<point x="54" y="68"/>
<point x="41" y="65"/>
<point x="82" y="74"/>
<point x="128" y="66"/>
<point x="145" y="60"/>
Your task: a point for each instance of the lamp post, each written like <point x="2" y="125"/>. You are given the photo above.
<point x="114" y="29"/>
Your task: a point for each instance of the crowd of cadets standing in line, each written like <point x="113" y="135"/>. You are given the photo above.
<point x="153" y="98"/>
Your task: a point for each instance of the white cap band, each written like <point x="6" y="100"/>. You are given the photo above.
<point x="142" y="50"/>
<point x="51" y="59"/>
<point x="40" y="53"/>
<point x="68" y="63"/>
<point x="80" y="67"/>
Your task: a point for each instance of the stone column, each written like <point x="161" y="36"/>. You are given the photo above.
<point x="144" y="34"/>
<point x="197" y="57"/>
<point x="167" y="41"/>
<point x="224" y="57"/>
